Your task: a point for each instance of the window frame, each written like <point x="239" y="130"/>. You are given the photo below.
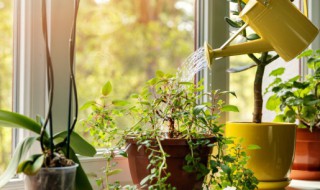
<point x="29" y="71"/>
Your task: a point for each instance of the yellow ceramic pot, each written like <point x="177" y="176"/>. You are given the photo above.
<point x="271" y="164"/>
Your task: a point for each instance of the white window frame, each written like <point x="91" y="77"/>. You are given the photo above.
<point x="210" y="16"/>
<point x="29" y="83"/>
<point x="29" y="57"/>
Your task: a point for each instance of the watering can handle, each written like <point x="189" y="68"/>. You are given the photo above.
<point x="234" y="36"/>
<point x="305" y="5"/>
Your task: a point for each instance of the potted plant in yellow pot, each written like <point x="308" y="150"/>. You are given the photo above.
<point x="271" y="164"/>
<point x="294" y="100"/>
<point x="171" y="143"/>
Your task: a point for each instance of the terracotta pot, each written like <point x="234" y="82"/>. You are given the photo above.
<point x="271" y="164"/>
<point x="306" y="165"/>
<point x="177" y="149"/>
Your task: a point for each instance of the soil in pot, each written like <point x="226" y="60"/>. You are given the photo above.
<point x="306" y="164"/>
<point x="177" y="149"/>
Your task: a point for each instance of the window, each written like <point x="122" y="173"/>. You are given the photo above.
<point x="104" y="44"/>
<point x="5" y="77"/>
<point x="126" y="42"/>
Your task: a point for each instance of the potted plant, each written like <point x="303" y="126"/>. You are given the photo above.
<point x="57" y="167"/>
<point x="170" y="146"/>
<point x="295" y="100"/>
<point x="271" y="164"/>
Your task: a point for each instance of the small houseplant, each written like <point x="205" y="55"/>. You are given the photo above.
<point x="171" y="121"/>
<point x="295" y="100"/>
<point x="57" y="167"/>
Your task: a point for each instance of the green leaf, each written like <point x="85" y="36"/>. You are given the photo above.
<point x="279" y="118"/>
<point x="153" y="81"/>
<point x="106" y="89"/>
<point x="123" y="153"/>
<point x="226" y="169"/>
<point x="19" y="154"/>
<point x="293" y="101"/>
<point x="120" y="102"/>
<point x="273" y="103"/>
<point x="229" y="92"/>
<point x="229" y="108"/>
<point x="144" y="180"/>
<point x="253" y="37"/>
<point x="277" y="72"/>
<point x="317" y="74"/>
<point x="300" y="85"/>
<point x="159" y="74"/>
<point x="15" y="120"/>
<point x="198" y="109"/>
<point x="309" y="112"/>
<point x="32" y="165"/>
<point x="253" y="147"/>
<point x="294" y="78"/>
<point x="240" y="69"/>
<point x="310" y="100"/>
<point x="82" y="181"/>
<point x="134" y="96"/>
<point x="232" y="23"/>
<point x="87" y="105"/>
<point x="78" y="144"/>
<point x="113" y="172"/>
<point x="306" y="53"/>
<point x="229" y="158"/>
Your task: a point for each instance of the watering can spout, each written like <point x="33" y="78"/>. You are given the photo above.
<point x="255" y="46"/>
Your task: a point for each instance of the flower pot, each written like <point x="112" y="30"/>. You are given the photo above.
<point x="271" y="164"/>
<point x="177" y="149"/>
<point x="59" y="178"/>
<point x="306" y="164"/>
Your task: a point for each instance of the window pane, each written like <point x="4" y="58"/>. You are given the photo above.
<point x="241" y="82"/>
<point x="125" y="42"/>
<point x="5" y="77"/>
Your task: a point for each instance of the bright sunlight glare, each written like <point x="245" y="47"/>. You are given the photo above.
<point x="102" y="1"/>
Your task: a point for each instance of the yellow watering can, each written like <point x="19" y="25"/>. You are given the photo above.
<point x="280" y="25"/>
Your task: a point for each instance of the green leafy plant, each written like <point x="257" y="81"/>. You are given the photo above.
<point x="58" y="150"/>
<point x="294" y="99"/>
<point x="168" y="108"/>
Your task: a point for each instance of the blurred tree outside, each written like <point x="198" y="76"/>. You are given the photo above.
<point x="126" y="42"/>
<point x="6" y="23"/>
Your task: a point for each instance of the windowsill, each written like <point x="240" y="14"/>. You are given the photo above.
<point x="295" y="185"/>
<point x="304" y="185"/>
<point x="94" y="167"/>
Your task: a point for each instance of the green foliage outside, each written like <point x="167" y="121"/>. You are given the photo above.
<point x="125" y="42"/>
<point x="5" y="76"/>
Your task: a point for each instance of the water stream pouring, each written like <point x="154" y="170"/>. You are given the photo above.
<point x="280" y="25"/>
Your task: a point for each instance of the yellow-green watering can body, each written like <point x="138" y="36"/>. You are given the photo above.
<point x="280" y="25"/>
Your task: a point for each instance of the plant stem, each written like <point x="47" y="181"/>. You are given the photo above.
<point x="164" y="160"/>
<point x="258" y="100"/>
